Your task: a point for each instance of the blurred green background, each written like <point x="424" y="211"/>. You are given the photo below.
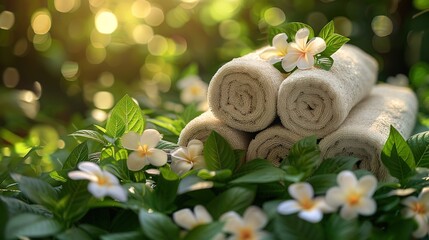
<point x="64" y="63"/>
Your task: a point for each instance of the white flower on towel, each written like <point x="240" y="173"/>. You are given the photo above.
<point x="300" y="53"/>
<point x="355" y="196"/>
<point x="418" y="208"/>
<point x="144" y="149"/>
<point x="185" y="158"/>
<point x="276" y="53"/>
<point x="102" y="183"/>
<point x="309" y="208"/>
<point x="248" y="227"/>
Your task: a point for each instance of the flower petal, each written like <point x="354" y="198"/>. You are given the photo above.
<point x="96" y="190"/>
<point x="348" y="212"/>
<point x="301" y="38"/>
<point x="306" y="61"/>
<point x="255" y="217"/>
<point x="90" y="167"/>
<point x="289" y="61"/>
<point x="150" y="137"/>
<point x="314" y="215"/>
<point x="335" y="197"/>
<point x="368" y="184"/>
<point x="180" y="167"/>
<point x="135" y="162"/>
<point x="289" y="207"/>
<point x="270" y="53"/>
<point x="112" y="178"/>
<point x="280" y="42"/>
<point x="157" y="157"/>
<point x="422" y="228"/>
<point x="180" y="153"/>
<point x="185" y="218"/>
<point x="202" y="215"/>
<point x="195" y="147"/>
<point x="80" y="175"/>
<point x="130" y="140"/>
<point x="118" y="193"/>
<point x="346" y="180"/>
<point x="199" y="162"/>
<point x="409" y="201"/>
<point x="424" y="198"/>
<point x="233" y="222"/>
<point x="316" y="45"/>
<point x="367" y="206"/>
<point x="301" y="191"/>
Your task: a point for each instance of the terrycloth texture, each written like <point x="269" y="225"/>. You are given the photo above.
<point x="201" y="127"/>
<point x="243" y="93"/>
<point x="272" y="144"/>
<point x="316" y="101"/>
<point x="366" y="129"/>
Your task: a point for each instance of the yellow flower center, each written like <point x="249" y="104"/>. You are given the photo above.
<point x="307" y="204"/>
<point x="246" y="234"/>
<point x="102" y="180"/>
<point x="143" y="150"/>
<point x="195" y="90"/>
<point x="419" y="208"/>
<point x="353" y="198"/>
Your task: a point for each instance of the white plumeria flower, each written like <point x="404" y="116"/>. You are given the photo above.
<point x="418" y="208"/>
<point x="309" y="208"/>
<point x="355" y="196"/>
<point x="300" y="53"/>
<point x="144" y="149"/>
<point x="248" y="227"/>
<point x="194" y="90"/>
<point x="279" y="49"/>
<point x="188" y="220"/>
<point x="186" y="158"/>
<point x="102" y="183"/>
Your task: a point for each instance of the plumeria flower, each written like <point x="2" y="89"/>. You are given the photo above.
<point x="355" y="196"/>
<point x="185" y="158"/>
<point x="194" y="90"/>
<point x="309" y="208"/>
<point x="102" y="183"/>
<point x="188" y="220"/>
<point x="248" y="227"/>
<point x="144" y="149"/>
<point x="300" y="53"/>
<point x="279" y="49"/>
<point x="418" y="208"/>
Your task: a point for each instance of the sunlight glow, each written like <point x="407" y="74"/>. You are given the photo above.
<point x="141" y="8"/>
<point x="105" y="22"/>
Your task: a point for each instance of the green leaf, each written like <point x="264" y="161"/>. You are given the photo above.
<point x="79" y="154"/>
<point x="166" y="145"/>
<point x="338" y="228"/>
<point x="272" y="32"/>
<point x="321" y="183"/>
<point x="90" y="134"/>
<point x="193" y="183"/>
<point x="336" y="164"/>
<point x="324" y="62"/>
<point x="291" y="227"/>
<point x="205" y="231"/>
<point x="234" y="199"/>
<point x="218" y="154"/>
<point x="158" y="226"/>
<point x="333" y="43"/>
<point x="74" y="201"/>
<point x="327" y="30"/>
<point x="74" y="233"/>
<point x="32" y="225"/>
<point x="15" y="206"/>
<point x="37" y="190"/>
<point x="126" y="116"/>
<point x="292" y="27"/>
<point x="258" y="171"/>
<point x="3" y="216"/>
<point x="397" y="156"/>
<point x="190" y="113"/>
<point x="219" y="175"/>
<point x="123" y="236"/>
<point x="419" y="145"/>
<point x="166" y="189"/>
<point x="304" y="155"/>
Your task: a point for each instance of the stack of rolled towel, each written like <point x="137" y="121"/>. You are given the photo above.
<point x="258" y="109"/>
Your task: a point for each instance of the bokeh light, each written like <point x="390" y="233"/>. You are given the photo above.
<point x="10" y="77"/>
<point x="141" y="8"/>
<point x="274" y="16"/>
<point x="155" y="17"/>
<point x="106" y="22"/>
<point x="66" y="6"/>
<point x="382" y="26"/>
<point x="142" y="34"/>
<point x="7" y="19"/>
<point x="70" y="70"/>
<point x="41" y="22"/>
<point x="103" y="100"/>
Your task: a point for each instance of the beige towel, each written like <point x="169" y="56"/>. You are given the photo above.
<point x="243" y="93"/>
<point x="201" y="127"/>
<point x="272" y="144"/>
<point x="316" y="102"/>
<point x="366" y="129"/>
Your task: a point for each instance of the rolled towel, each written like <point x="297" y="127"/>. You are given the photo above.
<point x="201" y="127"/>
<point x="272" y="144"/>
<point x="316" y="101"/>
<point x="366" y="129"/>
<point x="243" y="93"/>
